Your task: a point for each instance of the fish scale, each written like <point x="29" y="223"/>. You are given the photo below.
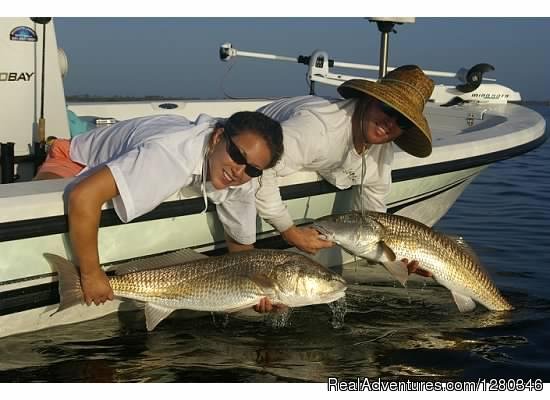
<point x="204" y="283"/>
<point x="439" y="252"/>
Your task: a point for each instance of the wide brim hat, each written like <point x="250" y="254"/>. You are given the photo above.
<point x="405" y="89"/>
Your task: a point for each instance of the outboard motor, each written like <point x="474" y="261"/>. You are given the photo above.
<point x="472" y="78"/>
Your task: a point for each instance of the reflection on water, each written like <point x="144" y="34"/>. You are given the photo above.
<point x="387" y="330"/>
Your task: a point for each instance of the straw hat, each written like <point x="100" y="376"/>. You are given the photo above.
<point x="406" y="89"/>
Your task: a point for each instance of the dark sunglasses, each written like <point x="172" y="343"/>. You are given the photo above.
<point x="401" y="121"/>
<point x="238" y="157"/>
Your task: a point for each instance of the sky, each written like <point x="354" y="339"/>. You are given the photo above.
<point x="178" y="57"/>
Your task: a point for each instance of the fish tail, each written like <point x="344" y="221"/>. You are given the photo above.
<point x="504" y="305"/>
<point x="70" y="291"/>
<point x="497" y="302"/>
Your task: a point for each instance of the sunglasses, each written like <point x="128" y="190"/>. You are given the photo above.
<point x="238" y="157"/>
<point x="401" y="121"/>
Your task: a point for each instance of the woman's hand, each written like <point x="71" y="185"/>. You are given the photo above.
<point x="96" y="287"/>
<point x="265" y="306"/>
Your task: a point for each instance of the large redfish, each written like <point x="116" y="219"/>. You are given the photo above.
<point x="387" y="238"/>
<point x="225" y="283"/>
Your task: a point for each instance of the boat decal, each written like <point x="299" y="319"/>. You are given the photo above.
<point x="23" y="34"/>
<point x="16" y="76"/>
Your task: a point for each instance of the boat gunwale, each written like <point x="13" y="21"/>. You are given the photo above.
<point x="49" y="225"/>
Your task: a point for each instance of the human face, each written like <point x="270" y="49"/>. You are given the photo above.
<point x="381" y="123"/>
<point x="238" y="157"/>
<point x="223" y="170"/>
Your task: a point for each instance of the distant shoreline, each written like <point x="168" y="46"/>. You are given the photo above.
<point x="93" y="98"/>
<point x="534" y="102"/>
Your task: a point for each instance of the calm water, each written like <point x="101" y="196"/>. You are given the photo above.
<point x="388" y="331"/>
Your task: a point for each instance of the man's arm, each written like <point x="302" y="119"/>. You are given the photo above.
<point x="303" y="143"/>
<point x="85" y="201"/>
<point x="271" y="208"/>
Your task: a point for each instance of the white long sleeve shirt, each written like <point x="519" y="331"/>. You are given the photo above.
<point x="318" y="137"/>
<point x="153" y="157"/>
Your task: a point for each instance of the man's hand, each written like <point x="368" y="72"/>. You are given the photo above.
<point x="265" y="306"/>
<point x="96" y="287"/>
<point x="306" y="239"/>
<point x="414" y="268"/>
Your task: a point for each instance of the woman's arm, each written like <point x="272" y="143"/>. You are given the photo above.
<point x="269" y="203"/>
<point x="234" y="246"/>
<point x="85" y="201"/>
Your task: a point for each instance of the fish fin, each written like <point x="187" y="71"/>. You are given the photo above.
<point x="154" y="314"/>
<point x="464" y="303"/>
<point x="164" y="260"/>
<point x="262" y="281"/>
<point x="388" y="252"/>
<point x="239" y="309"/>
<point x="378" y="253"/>
<point x="269" y="287"/>
<point x="398" y="269"/>
<point x="369" y="251"/>
<point x="68" y="275"/>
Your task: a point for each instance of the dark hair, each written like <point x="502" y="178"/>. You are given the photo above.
<point x="266" y="127"/>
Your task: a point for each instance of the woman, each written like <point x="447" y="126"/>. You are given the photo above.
<point x="140" y="162"/>
<point x="349" y="143"/>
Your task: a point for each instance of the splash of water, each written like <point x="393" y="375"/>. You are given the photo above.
<point x="338" y="309"/>
<point x="220" y="320"/>
<point x="279" y="319"/>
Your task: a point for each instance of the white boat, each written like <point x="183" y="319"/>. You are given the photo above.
<point x="474" y="124"/>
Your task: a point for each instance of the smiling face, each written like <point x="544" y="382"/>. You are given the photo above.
<point x="223" y="171"/>
<point x="373" y="125"/>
